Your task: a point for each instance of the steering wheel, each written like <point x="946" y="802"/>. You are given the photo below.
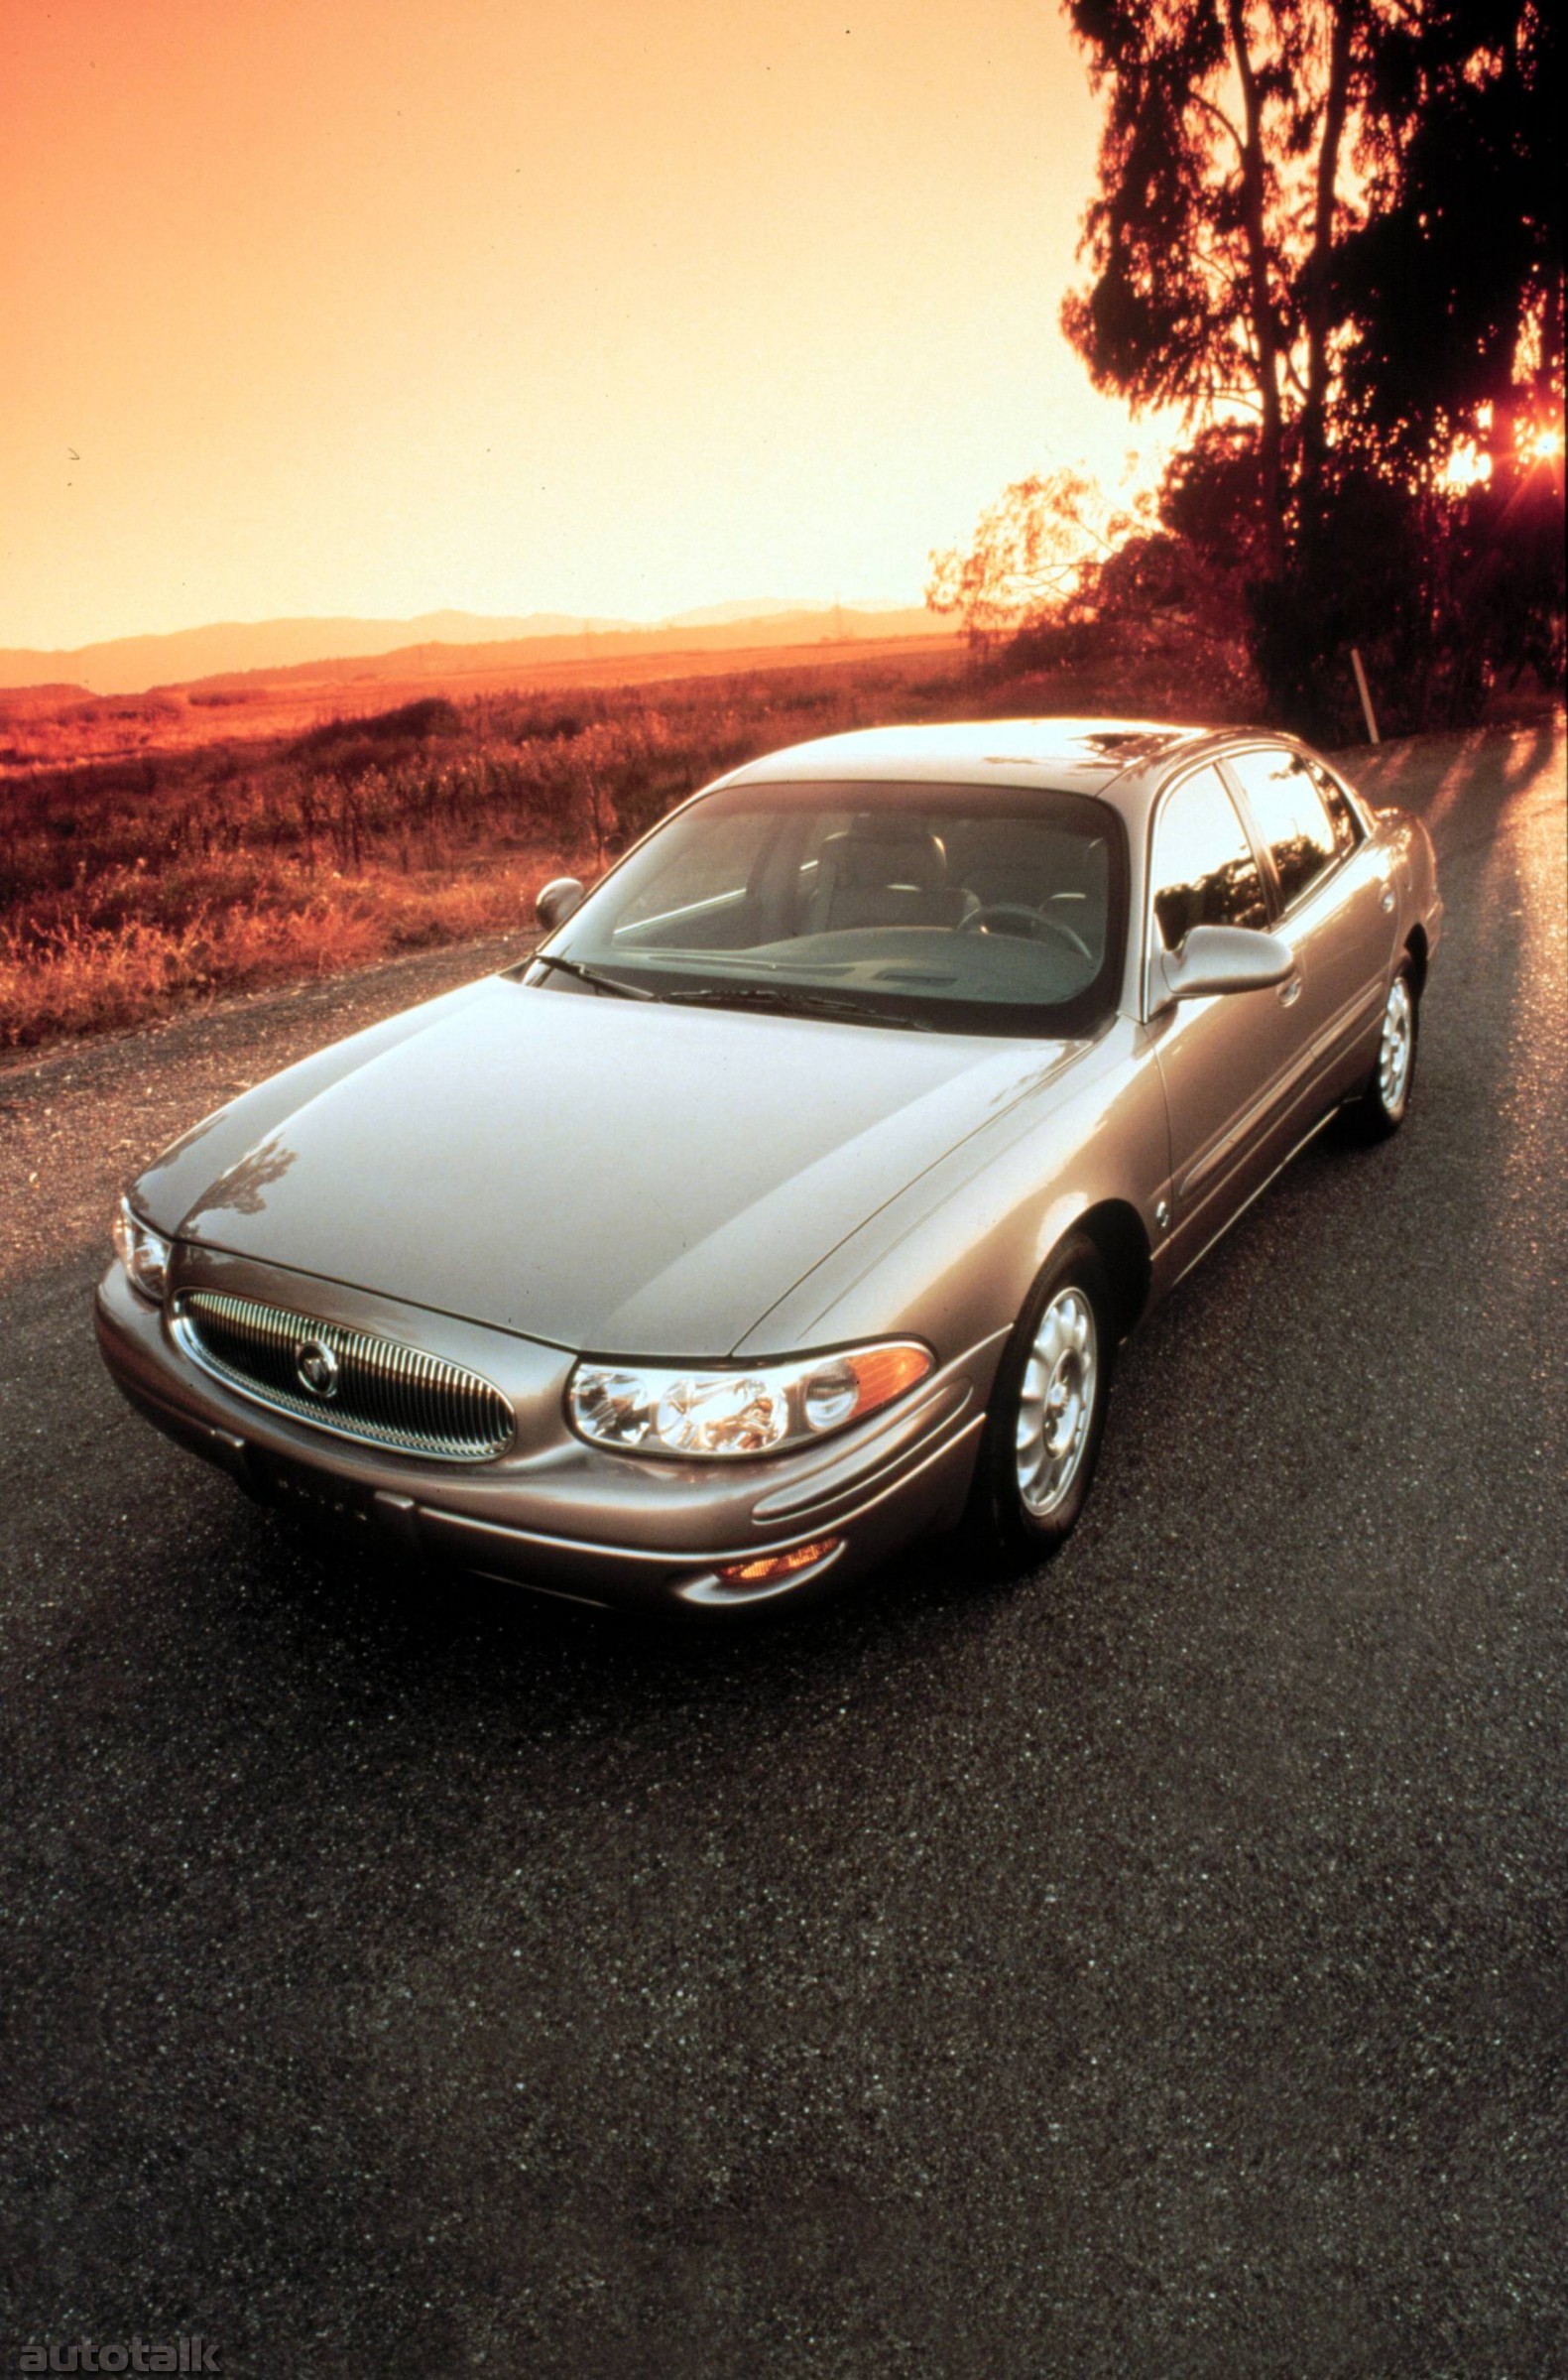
<point x="978" y="921"/>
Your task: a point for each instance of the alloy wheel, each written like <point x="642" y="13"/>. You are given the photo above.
<point x="1056" y="1403"/>
<point x="1396" y="1048"/>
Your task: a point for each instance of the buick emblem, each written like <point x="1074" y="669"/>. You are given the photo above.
<point x="315" y="1368"/>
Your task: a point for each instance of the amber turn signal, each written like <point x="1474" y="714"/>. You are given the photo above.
<point x="884" y="1373"/>
<point x="766" y="1567"/>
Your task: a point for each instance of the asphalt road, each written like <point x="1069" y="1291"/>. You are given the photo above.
<point x="1156" y="1969"/>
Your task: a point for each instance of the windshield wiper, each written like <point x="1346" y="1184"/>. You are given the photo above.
<point x="600" y="983"/>
<point x="782" y="999"/>
<point x="791" y="1000"/>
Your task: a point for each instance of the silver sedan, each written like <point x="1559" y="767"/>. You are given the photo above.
<point x="794" y="1199"/>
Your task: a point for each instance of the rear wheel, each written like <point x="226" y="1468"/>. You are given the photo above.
<point x="1047" y="1413"/>
<point x="1380" y="1108"/>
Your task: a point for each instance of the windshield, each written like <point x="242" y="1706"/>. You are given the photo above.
<point x="959" y="908"/>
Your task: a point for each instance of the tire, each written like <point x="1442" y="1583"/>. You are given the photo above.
<point x="1025" y="1504"/>
<point x="1384" y="1099"/>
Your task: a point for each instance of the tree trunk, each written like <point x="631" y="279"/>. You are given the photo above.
<point x="1316" y="283"/>
<point x="1260" y="309"/>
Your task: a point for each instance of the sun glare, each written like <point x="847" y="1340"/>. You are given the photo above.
<point x="1466" y="468"/>
<point x="1469" y="465"/>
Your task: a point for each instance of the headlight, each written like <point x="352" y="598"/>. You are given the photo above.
<point x="728" y="1410"/>
<point x="144" y="1254"/>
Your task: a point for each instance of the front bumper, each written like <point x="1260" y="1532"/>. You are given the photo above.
<point x="554" y="1513"/>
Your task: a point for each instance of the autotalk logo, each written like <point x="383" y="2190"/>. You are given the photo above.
<point x="315" y="1367"/>
<point x="138" y="2354"/>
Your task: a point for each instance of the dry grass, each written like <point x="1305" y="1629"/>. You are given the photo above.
<point x="75" y="978"/>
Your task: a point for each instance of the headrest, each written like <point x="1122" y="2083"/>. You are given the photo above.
<point x="885" y="851"/>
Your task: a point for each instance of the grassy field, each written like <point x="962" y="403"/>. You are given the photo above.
<point x="139" y="879"/>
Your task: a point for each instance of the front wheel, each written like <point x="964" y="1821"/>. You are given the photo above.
<point x="1380" y="1108"/>
<point x="1048" y="1415"/>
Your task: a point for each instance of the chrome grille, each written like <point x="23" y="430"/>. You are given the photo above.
<point x="381" y="1392"/>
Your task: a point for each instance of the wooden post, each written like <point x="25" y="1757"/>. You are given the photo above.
<point x="1372" y="737"/>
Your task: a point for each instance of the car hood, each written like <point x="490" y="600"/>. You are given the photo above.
<point x="610" y="1175"/>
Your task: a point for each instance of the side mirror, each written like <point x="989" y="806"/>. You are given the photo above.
<point x="557" y="902"/>
<point x="1221" y="958"/>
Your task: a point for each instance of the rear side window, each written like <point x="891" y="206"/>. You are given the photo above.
<point x="1290" y="816"/>
<point x="1342" y="816"/>
<point x="1204" y="872"/>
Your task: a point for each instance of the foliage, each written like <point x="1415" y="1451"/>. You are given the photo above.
<point x="1451" y="268"/>
<point x="1033" y="556"/>
<point x="1143" y="591"/>
<point x="1330" y="228"/>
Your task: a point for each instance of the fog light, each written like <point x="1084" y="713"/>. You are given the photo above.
<point x="765" y="1567"/>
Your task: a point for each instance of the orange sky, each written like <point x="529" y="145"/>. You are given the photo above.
<point x="596" y="306"/>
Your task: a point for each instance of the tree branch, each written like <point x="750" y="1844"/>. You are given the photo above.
<point x="1316" y="286"/>
<point x="1211" y="108"/>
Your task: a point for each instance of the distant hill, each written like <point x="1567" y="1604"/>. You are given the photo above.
<point x="45" y="696"/>
<point x="719" y="616"/>
<point x="258" y="649"/>
<point x="129" y="664"/>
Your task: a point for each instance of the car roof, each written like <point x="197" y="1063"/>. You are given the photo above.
<point x="1076" y="755"/>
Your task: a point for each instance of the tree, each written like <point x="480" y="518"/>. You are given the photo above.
<point x="1151" y="596"/>
<point x="1033" y="554"/>
<point x="1452" y="277"/>
<point x="1331" y="222"/>
<point x="1452" y="272"/>
<point x="1211" y="239"/>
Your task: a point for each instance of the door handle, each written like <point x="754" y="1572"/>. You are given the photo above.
<point x="1290" y="991"/>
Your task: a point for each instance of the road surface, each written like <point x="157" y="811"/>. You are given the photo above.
<point x="1156" y="1969"/>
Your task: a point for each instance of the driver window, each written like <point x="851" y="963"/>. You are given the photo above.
<point x="1204" y="872"/>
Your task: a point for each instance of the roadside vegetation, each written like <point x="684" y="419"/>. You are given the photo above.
<point x="1325" y="242"/>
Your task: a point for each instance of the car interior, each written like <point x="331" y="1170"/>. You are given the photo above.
<point x="984" y="903"/>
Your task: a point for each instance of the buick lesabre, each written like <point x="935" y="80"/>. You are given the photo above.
<point x="792" y="1199"/>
